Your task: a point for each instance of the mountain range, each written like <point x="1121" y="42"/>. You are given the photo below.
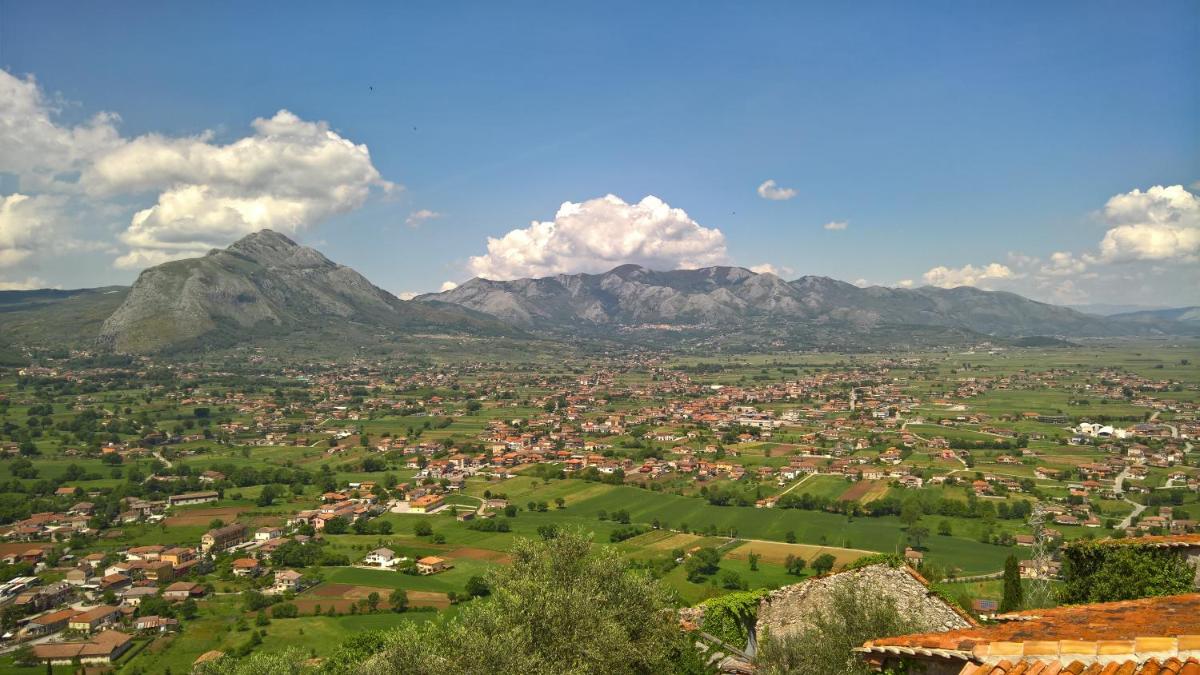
<point x="717" y="299"/>
<point x="266" y="289"/>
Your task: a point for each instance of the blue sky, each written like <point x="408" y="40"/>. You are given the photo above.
<point x="944" y="134"/>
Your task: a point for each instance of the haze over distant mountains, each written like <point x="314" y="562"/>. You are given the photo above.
<point x="265" y="288"/>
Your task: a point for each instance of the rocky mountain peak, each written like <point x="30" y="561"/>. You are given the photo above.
<point x="272" y="249"/>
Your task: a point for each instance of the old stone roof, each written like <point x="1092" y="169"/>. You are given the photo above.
<point x="786" y="610"/>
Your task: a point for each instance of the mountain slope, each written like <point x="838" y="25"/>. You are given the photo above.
<point x="266" y="285"/>
<point x="728" y="298"/>
<point x="57" y="319"/>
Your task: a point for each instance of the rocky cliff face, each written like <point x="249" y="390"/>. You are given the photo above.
<point x="263" y="284"/>
<point x="732" y="297"/>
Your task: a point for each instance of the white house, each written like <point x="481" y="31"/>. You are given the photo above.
<point x="381" y="557"/>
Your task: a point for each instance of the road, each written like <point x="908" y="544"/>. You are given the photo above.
<point x="164" y="460"/>
<point x="904" y="427"/>
<point x="797" y="484"/>
<point x="1119" y="487"/>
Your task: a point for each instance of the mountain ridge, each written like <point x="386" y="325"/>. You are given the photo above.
<point x="633" y="295"/>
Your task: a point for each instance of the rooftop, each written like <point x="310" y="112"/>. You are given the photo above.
<point x="1133" y="631"/>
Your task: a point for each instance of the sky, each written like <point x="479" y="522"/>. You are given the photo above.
<point x="1046" y="148"/>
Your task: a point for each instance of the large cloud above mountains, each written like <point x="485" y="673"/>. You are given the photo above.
<point x="1161" y="223"/>
<point x="1151" y="232"/>
<point x="287" y="175"/>
<point x="967" y="275"/>
<point x="599" y="234"/>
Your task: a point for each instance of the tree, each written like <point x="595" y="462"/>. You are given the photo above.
<point x="338" y="525"/>
<point x="823" y="563"/>
<point x="188" y="609"/>
<point x="790" y="537"/>
<point x="945" y="529"/>
<point x="268" y="495"/>
<point x="701" y="564"/>
<point x="373" y="601"/>
<point x="560" y="502"/>
<point x="917" y="533"/>
<point x="562" y="606"/>
<point x="753" y="558"/>
<point x="910" y="513"/>
<point x="732" y="581"/>
<point x="398" y="600"/>
<point x="422" y="528"/>
<point x="1013" y="595"/>
<point x="477" y="587"/>
<point x="851" y="615"/>
<point x="1122" y="570"/>
<point x="794" y="565"/>
<point x="348" y="657"/>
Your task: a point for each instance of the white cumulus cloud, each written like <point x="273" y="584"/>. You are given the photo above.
<point x="407" y="295"/>
<point x="1063" y="263"/>
<point x="836" y="225"/>
<point x="769" y="190"/>
<point x="599" y="234"/>
<point x="967" y="275"/>
<point x="287" y="176"/>
<point x="1161" y="223"/>
<point x="27" y="224"/>
<point x="26" y="284"/>
<point x="448" y="286"/>
<point x="191" y="193"/>
<point x="39" y="152"/>
<point x="417" y="217"/>
<point x="768" y="268"/>
<point x="905" y="283"/>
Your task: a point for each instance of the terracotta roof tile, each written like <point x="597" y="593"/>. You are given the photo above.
<point x="1161" y="541"/>
<point x="1152" y="666"/>
<point x="1110" y="626"/>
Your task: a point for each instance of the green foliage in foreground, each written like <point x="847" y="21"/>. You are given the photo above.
<point x="561" y="607"/>
<point x="728" y="617"/>
<point x="1108" y="571"/>
<point x="852" y="616"/>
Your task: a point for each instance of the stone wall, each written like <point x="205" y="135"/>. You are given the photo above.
<point x="786" y="610"/>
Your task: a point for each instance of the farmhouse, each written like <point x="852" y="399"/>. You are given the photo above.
<point x="222" y="538"/>
<point x="105" y="647"/>
<point x="246" y="567"/>
<point x="287" y="580"/>
<point x="432" y="565"/>
<point x="182" y="590"/>
<point x="48" y="623"/>
<point x="90" y="620"/>
<point x="189" y="498"/>
<point x="381" y="557"/>
<point x="425" y="504"/>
